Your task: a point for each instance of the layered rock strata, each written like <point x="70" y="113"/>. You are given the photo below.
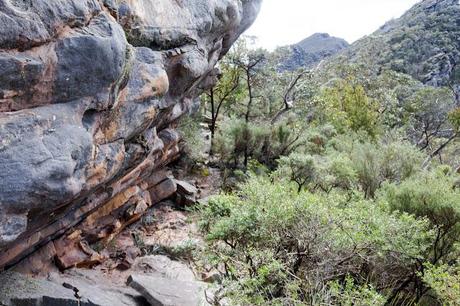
<point x="90" y="93"/>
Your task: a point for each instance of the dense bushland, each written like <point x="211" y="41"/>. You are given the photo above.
<point x="362" y="225"/>
<point x="347" y="186"/>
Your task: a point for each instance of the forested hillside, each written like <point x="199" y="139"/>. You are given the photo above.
<point x="341" y="183"/>
<point x="424" y="43"/>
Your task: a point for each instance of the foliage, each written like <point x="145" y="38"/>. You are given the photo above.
<point x="238" y="141"/>
<point x="377" y="163"/>
<point x="351" y="163"/>
<point x="300" y="168"/>
<point x="273" y="244"/>
<point x="454" y="118"/>
<point x="348" y="294"/>
<point x="429" y="110"/>
<point x="190" y="130"/>
<point x="431" y="195"/>
<point x="355" y="201"/>
<point x="349" y="108"/>
<point x="445" y="282"/>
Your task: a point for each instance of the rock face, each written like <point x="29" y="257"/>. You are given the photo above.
<point x="16" y="289"/>
<point x="153" y="280"/>
<point x="90" y="91"/>
<point x="313" y="49"/>
<point x="81" y="290"/>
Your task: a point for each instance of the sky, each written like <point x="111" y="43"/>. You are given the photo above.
<point x="285" y="22"/>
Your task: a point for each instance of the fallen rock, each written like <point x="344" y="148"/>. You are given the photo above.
<point x="186" y="194"/>
<point x="75" y="288"/>
<point x="103" y="286"/>
<point x="185" y="188"/>
<point x="161" y="291"/>
<point x="163" y="190"/>
<point x="163" y="281"/>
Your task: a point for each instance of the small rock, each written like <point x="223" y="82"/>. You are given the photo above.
<point x="163" y="190"/>
<point x="212" y="277"/>
<point x="185" y="188"/>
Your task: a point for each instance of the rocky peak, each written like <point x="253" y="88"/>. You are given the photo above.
<point x="90" y="92"/>
<point x="313" y="49"/>
<point x="322" y="42"/>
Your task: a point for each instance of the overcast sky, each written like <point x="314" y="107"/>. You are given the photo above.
<point x="284" y="22"/>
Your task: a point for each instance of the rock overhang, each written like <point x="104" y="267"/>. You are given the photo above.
<point x="89" y="95"/>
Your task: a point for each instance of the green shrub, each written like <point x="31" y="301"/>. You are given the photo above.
<point x="431" y="195"/>
<point x="276" y="246"/>
<point x="237" y="142"/>
<point x="347" y="164"/>
<point x="380" y="162"/>
<point x="349" y="294"/>
<point x="300" y="168"/>
<point x="444" y="282"/>
<point x="349" y="108"/>
<point x="191" y="131"/>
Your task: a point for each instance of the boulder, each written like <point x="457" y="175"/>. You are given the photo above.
<point x="186" y="188"/>
<point x="174" y="284"/>
<point x="161" y="291"/>
<point x="75" y="287"/>
<point x="186" y="194"/>
<point x="162" y="281"/>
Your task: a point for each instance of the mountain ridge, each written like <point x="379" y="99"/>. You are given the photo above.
<point x="423" y="43"/>
<point x="313" y="49"/>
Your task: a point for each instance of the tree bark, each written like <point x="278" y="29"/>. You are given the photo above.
<point x="212" y="127"/>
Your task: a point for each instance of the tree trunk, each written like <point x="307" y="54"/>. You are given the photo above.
<point x="211" y="148"/>
<point x="249" y="106"/>
<point x="247" y="117"/>
<point x="212" y="127"/>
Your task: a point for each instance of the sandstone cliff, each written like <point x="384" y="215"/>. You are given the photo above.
<point x="90" y="91"/>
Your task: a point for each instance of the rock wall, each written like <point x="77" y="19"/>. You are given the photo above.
<point x="90" y="91"/>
